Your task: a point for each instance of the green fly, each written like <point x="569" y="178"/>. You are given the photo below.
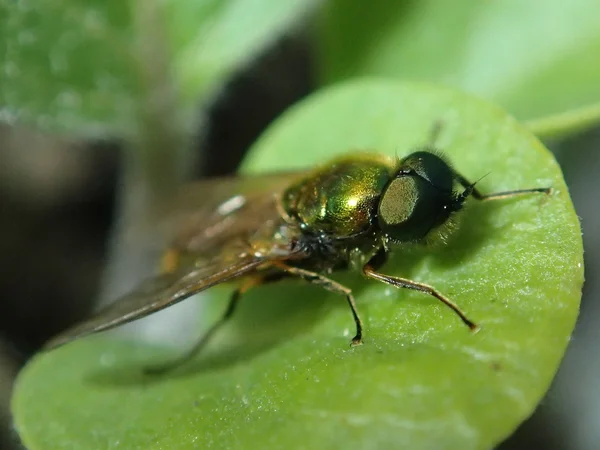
<point x="349" y="212"/>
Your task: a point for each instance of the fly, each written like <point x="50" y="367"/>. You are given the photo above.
<point x="306" y="224"/>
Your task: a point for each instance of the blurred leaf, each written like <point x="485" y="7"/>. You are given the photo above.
<point x="75" y="65"/>
<point x="535" y="58"/>
<point x="282" y="374"/>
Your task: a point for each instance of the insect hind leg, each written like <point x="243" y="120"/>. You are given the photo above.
<point x="332" y="286"/>
<point x="208" y="335"/>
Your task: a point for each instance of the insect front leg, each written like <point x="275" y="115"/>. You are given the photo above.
<point x="370" y="270"/>
<point x="332" y="286"/>
<point x="206" y="337"/>
<point x="498" y="195"/>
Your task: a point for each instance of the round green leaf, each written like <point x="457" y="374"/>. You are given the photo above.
<point x="78" y="66"/>
<point x="536" y="58"/>
<point x="282" y="373"/>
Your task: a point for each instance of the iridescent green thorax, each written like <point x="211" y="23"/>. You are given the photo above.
<point x="341" y="198"/>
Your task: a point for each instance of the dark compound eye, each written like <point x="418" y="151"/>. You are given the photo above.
<point x="419" y="198"/>
<point x="430" y="167"/>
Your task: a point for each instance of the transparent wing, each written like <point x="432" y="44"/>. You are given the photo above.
<point x="157" y="293"/>
<point x="211" y="225"/>
<point x="206" y="215"/>
<point x="231" y="208"/>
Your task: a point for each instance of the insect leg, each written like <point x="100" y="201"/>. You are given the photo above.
<point x="198" y="346"/>
<point x="434" y="132"/>
<point x="370" y="270"/>
<point x="497" y="195"/>
<point x="330" y="285"/>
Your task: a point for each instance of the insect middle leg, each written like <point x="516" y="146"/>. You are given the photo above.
<point x="203" y="341"/>
<point x="370" y="270"/>
<point x="330" y="285"/>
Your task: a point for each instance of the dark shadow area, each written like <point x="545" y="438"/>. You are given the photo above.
<point x="51" y="253"/>
<point x="251" y="100"/>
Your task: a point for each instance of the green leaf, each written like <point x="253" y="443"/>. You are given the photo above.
<point x="78" y="66"/>
<point x="536" y="58"/>
<point x="282" y="374"/>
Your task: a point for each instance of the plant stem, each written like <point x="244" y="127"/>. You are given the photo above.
<point x="155" y="161"/>
<point x="561" y="125"/>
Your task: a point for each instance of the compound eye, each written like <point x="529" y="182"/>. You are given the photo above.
<point x="409" y="208"/>
<point x="430" y="167"/>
